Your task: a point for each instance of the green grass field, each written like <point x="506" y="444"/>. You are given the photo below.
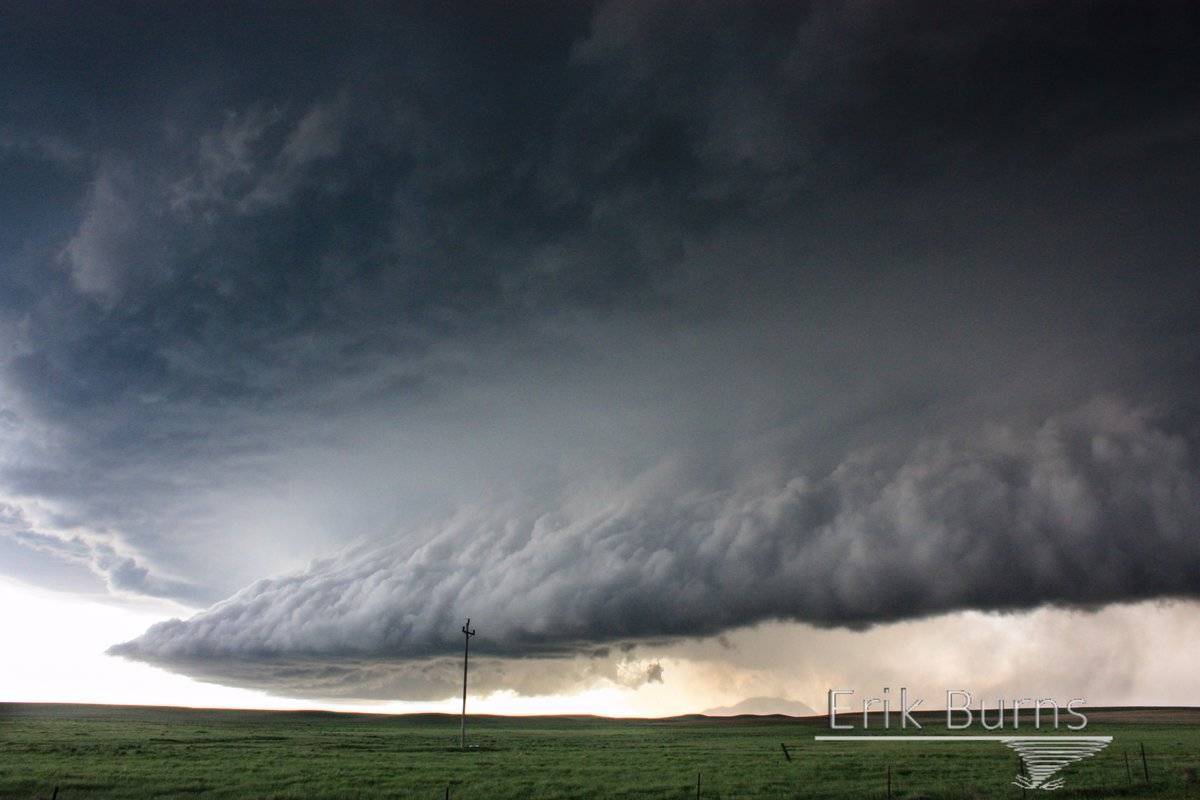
<point x="117" y="752"/>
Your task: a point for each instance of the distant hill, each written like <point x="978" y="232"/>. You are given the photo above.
<point x="763" y="705"/>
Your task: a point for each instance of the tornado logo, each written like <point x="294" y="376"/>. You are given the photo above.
<point x="1043" y="756"/>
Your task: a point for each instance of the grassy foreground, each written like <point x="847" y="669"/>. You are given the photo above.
<point x="121" y="752"/>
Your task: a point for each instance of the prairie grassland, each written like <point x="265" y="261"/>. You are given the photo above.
<point x="122" y="752"/>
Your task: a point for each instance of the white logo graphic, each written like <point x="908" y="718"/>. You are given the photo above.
<point x="1043" y="756"/>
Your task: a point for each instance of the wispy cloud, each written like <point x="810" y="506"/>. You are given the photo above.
<point x="104" y="554"/>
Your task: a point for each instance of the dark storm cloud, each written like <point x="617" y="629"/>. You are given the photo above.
<point x="515" y="301"/>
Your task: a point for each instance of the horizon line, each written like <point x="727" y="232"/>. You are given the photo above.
<point x="303" y="710"/>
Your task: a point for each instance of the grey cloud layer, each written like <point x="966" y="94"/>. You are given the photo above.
<point x="1094" y="506"/>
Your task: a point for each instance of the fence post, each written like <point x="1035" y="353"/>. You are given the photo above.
<point x="889" y="781"/>
<point x="1145" y="766"/>
<point x="786" y="754"/>
<point x="1128" y="771"/>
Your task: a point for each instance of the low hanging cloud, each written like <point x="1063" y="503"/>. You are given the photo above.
<point x="1097" y="505"/>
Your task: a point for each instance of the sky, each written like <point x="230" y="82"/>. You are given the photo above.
<point x="697" y="352"/>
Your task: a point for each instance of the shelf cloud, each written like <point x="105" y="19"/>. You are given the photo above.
<point x="1095" y="506"/>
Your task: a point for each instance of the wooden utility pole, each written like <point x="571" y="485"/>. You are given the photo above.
<point x="468" y="632"/>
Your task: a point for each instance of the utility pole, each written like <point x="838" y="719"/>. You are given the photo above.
<point x="468" y="632"/>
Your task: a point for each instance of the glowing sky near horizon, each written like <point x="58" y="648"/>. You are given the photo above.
<point x="61" y="641"/>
